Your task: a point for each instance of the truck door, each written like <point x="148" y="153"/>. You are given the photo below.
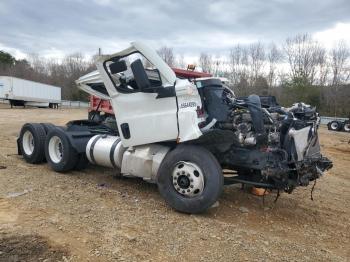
<point x="145" y="109"/>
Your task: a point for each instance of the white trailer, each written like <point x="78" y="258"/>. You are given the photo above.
<point x="21" y="92"/>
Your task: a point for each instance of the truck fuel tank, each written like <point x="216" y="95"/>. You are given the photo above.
<point x="105" y="150"/>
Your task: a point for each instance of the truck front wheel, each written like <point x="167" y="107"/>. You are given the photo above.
<point x="190" y="179"/>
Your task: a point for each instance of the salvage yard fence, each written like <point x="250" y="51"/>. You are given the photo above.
<point x="64" y="103"/>
<point x="326" y="119"/>
<point x="74" y="104"/>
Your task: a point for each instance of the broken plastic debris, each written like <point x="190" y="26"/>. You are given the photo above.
<point x="17" y="194"/>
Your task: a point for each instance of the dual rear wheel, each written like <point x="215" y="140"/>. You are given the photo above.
<point x="40" y="142"/>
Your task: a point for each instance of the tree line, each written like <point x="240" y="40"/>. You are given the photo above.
<point x="299" y="69"/>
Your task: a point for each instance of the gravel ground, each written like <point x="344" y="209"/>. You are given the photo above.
<point x="95" y="215"/>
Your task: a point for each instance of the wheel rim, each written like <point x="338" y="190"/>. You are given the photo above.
<point x="347" y="127"/>
<point x="55" y="149"/>
<point x="188" y="179"/>
<point x="334" y="125"/>
<point x="28" y="142"/>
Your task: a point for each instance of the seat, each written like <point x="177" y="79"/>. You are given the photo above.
<point x="140" y="75"/>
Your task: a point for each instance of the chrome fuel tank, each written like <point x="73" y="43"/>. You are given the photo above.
<point x="105" y="150"/>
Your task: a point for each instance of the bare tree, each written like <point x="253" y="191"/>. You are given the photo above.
<point x="206" y="62"/>
<point x="180" y="61"/>
<point x="167" y="54"/>
<point x="340" y="55"/>
<point x="256" y="58"/>
<point x="274" y="57"/>
<point x="238" y="62"/>
<point x="302" y="54"/>
<point x="38" y="64"/>
<point x="217" y="64"/>
<point x="323" y="66"/>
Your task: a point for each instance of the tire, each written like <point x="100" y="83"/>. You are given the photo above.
<point x="334" y="125"/>
<point x="82" y="162"/>
<point x="48" y="127"/>
<point x="346" y="126"/>
<point x="32" y="143"/>
<point x="170" y="178"/>
<point x="60" y="154"/>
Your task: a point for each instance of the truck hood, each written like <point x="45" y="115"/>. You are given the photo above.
<point x="88" y="81"/>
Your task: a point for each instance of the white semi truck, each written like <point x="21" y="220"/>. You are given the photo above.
<point x="181" y="134"/>
<point x="21" y="92"/>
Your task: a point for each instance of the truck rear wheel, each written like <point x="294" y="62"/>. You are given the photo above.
<point x="32" y="142"/>
<point x="48" y="127"/>
<point x="334" y="125"/>
<point x="59" y="152"/>
<point x="346" y="126"/>
<point x="190" y="179"/>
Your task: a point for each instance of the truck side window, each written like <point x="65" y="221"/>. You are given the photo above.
<point x="125" y="82"/>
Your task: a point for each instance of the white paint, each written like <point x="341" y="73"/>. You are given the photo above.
<point x="300" y="140"/>
<point x="188" y="102"/>
<point x="152" y="120"/>
<point x="143" y="161"/>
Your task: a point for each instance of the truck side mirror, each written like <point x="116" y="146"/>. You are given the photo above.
<point x="117" y="67"/>
<point x="140" y="75"/>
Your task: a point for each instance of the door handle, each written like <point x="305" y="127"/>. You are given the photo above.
<point x="125" y="130"/>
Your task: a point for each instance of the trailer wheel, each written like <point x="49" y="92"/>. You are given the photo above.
<point x="59" y="152"/>
<point x="334" y="125"/>
<point x="190" y="179"/>
<point x="32" y="143"/>
<point x="346" y="126"/>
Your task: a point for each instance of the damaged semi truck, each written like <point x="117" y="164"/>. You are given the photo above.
<point x="182" y="134"/>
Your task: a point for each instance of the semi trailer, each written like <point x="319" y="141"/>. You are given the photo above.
<point x="21" y="92"/>
<point x="181" y="134"/>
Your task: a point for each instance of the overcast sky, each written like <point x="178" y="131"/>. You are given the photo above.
<point x="55" y="28"/>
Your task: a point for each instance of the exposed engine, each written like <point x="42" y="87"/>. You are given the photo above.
<point x="269" y="145"/>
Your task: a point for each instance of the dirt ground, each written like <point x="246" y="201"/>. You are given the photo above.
<point x="95" y="216"/>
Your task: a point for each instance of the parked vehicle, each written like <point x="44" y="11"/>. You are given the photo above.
<point x="182" y="134"/>
<point x="339" y="125"/>
<point x="21" y="92"/>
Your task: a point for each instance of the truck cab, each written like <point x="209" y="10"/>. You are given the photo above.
<point x="152" y="104"/>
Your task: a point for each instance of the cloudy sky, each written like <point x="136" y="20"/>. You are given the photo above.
<point x="55" y="28"/>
